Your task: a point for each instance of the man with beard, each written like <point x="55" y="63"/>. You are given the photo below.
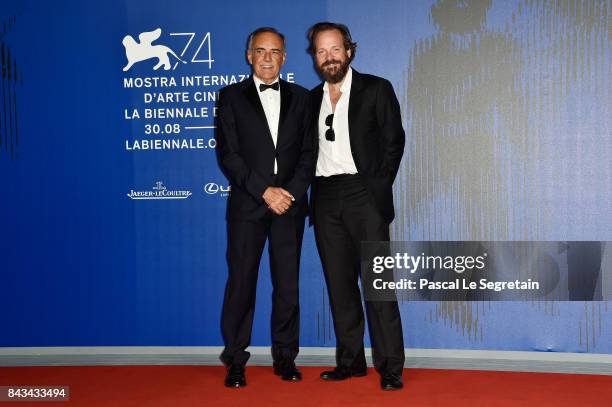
<point x="358" y="151"/>
<point x="265" y="150"/>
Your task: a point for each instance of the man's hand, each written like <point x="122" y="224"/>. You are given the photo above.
<point x="278" y="199"/>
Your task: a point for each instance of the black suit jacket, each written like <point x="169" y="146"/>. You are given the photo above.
<point x="246" y="150"/>
<point x="376" y="135"/>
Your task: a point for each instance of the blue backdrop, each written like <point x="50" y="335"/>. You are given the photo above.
<point x="506" y="106"/>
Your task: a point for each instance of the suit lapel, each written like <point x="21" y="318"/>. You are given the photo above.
<point x="285" y="96"/>
<point x="355" y="105"/>
<point x="317" y="100"/>
<point x="285" y="102"/>
<point x="316" y="97"/>
<point x="253" y="98"/>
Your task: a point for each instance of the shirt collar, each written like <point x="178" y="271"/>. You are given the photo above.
<point x="259" y="81"/>
<point x="346" y="85"/>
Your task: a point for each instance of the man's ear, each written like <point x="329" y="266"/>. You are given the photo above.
<point x="350" y="53"/>
<point x="249" y="57"/>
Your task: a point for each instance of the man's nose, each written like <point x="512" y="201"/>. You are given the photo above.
<point x="267" y="56"/>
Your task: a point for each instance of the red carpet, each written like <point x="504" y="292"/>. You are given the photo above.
<point x="178" y="386"/>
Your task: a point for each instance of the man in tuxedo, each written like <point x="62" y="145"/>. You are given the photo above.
<point x="265" y="149"/>
<point x="358" y="152"/>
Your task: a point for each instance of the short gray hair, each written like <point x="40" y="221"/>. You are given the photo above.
<point x="261" y="30"/>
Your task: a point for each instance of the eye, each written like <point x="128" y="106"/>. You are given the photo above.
<point x="276" y="52"/>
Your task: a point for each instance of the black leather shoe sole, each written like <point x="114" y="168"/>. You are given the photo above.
<point x="292" y="376"/>
<point x="338" y="375"/>
<point x="235" y="384"/>
<point x="393" y="383"/>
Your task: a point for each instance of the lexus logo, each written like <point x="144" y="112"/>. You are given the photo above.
<point x="212" y="189"/>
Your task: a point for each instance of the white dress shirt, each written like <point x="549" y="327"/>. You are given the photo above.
<point x="335" y="157"/>
<point x="271" y="101"/>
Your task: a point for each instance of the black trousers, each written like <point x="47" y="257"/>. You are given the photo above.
<point x="246" y="240"/>
<point x="344" y="216"/>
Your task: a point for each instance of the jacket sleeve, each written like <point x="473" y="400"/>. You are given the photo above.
<point x="230" y="155"/>
<point x="304" y="170"/>
<point x="392" y="133"/>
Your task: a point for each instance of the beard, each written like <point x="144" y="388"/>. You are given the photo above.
<point x="336" y="73"/>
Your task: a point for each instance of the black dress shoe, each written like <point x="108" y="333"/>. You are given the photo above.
<point x="287" y="370"/>
<point x="235" y="376"/>
<point x="342" y="373"/>
<point x="391" y="381"/>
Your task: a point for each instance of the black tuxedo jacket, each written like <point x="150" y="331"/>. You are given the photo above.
<point x="246" y="150"/>
<point x="376" y="135"/>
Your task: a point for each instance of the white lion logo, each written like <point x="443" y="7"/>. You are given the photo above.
<point x="136" y="52"/>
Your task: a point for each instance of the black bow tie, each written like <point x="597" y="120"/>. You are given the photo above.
<point x="263" y="86"/>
